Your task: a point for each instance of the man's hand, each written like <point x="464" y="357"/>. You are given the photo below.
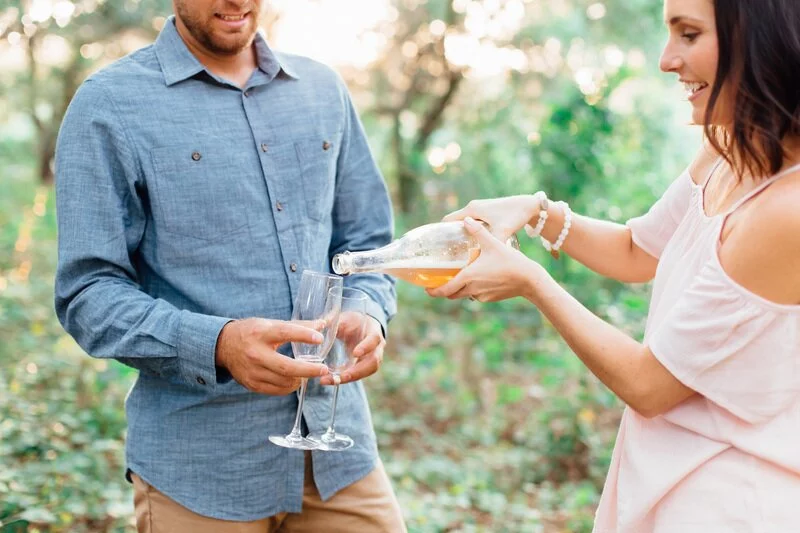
<point x="368" y="352"/>
<point x="247" y="349"/>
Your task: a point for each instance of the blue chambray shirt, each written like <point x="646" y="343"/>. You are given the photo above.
<point x="184" y="202"/>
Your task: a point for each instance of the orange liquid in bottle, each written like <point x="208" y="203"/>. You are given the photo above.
<point x="428" y="273"/>
<point x="430" y="278"/>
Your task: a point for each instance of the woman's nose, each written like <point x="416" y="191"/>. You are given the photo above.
<point x="669" y="61"/>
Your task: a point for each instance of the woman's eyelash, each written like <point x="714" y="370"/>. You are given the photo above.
<point x="690" y="36"/>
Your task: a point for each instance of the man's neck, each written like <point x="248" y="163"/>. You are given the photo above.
<point x="236" y="68"/>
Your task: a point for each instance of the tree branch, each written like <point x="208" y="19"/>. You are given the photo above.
<point x="32" y="93"/>
<point x="436" y="110"/>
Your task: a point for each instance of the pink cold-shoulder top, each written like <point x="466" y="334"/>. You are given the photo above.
<point x="726" y="460"/>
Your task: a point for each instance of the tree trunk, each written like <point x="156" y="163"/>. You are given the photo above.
<point x="47" y="151"/>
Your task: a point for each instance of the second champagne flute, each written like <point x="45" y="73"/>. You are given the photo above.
<point x="319" y="302"/>
<point x="352" y="328"/>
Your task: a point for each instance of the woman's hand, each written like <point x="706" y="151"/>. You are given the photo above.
<point x="500" y="272"/>
<point x="505" y="216"/>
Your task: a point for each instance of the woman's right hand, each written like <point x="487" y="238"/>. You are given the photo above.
<point x="505" y="216"/>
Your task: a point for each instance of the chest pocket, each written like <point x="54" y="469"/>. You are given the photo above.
<point x="195" y="191"/>
<point x="318" y="157"/>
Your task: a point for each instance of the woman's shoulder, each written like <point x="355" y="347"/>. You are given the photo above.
<point x="762" y="251"/>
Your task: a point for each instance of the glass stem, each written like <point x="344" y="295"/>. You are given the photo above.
<point x="296" y="429"/>
<point x="331" y="432"/>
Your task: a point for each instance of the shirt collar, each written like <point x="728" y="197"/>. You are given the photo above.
<point x="178" y="63"/>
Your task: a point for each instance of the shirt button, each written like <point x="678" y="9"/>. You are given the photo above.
<point x="201" y="381"/>
<point x="264" y="147"/>
<point x="326" y="145"/>
<point x="279" y="206"/>
<point x="196" y="156"/>
<point x="246" y="94"/>
<point x="293" y="267"/>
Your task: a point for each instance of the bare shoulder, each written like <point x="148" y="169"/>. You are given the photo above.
<point x="703" y="162"/>
<point x="762" y="252"/>
<point x="778" y="212"/>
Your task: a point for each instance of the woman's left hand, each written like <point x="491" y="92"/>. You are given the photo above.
<point x="500" y="272"/>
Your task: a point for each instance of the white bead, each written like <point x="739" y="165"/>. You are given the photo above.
<point x="564" y="230"/>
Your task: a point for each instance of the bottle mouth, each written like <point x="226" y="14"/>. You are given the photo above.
<point x="340" y="263"/>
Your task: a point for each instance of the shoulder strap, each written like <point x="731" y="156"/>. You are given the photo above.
<point x="766" y="183"/>
<point x="714" y="168"/>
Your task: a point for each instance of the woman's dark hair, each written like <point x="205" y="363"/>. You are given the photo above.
<point x="759" y="62"/>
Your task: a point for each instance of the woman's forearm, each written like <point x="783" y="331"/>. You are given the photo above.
<point x="624" y="365"/>
<point x="605" y="247"/>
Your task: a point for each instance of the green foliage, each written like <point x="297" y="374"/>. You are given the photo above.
<point x="61" y="418"/>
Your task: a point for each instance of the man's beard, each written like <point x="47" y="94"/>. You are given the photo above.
<point x="202" y="32"/>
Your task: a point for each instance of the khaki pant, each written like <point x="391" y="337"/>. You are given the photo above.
<point x="369" y="505"/>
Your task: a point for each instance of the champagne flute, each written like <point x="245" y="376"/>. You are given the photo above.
<point x="352" y="327"/>
<point x="319" y="301"/>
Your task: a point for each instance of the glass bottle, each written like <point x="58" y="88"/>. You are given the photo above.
<point x="428" y="256"/>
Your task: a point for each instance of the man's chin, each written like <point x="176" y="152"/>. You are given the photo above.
<point x="231" y="46"/>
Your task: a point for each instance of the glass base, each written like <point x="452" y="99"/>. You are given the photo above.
<point x="325" y="442"/>
<point x="296" y="443"/>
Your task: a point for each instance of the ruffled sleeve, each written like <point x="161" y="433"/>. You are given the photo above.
<point x="736" y="349"/>
<point x="653" y="230"/>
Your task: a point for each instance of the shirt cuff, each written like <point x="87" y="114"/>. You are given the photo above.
<point x="376" y="311"/>
<point x="197" y="347"/>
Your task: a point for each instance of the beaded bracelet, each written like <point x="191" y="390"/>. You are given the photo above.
<point x="555" y="247"/>
<point x="534" y="232"/>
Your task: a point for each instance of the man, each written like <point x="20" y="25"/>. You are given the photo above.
<point x="196" y="179"/>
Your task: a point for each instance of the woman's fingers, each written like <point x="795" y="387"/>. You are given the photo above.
<point x="456" y="215"/>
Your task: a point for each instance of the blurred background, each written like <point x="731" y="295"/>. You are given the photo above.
<point x="486" y="421"/>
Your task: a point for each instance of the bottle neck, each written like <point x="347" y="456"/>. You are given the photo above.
<point x="367" y="261"/>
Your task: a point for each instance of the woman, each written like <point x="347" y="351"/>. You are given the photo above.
<point x="710" y="438"/>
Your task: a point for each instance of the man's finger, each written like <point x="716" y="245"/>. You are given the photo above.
<point x="365" y="367"/>
<point x="265" y="376"/>
<point x="316" y="325"/>
<point x="281" y="332"/>
<point x="272" y="390"/>
<point x="296" y="368"/>
<point x="367" y="345"/>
